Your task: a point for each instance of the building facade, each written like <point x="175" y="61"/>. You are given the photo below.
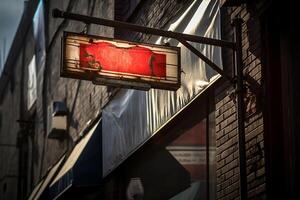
<point x="156" y="144"/>
<point x="26" y="146"/>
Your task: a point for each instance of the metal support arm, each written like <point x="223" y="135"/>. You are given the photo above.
<point x="142" y="29"/>
<point x="205" y="59"/>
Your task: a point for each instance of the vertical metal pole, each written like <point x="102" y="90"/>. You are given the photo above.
<point x="240" y="107"/>
<point x="207" y="148"/>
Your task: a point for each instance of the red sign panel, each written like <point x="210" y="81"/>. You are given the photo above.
<point x="133" y="60"/>
<point x="120" y="63"/>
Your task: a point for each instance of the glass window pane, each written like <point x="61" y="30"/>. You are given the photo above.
<point x="190" y="151"/>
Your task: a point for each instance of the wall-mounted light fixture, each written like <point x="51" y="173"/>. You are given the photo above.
<point x="57" y="120"/>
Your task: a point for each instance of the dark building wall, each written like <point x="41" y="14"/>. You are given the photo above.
<point x="26" y="152"/>
<point x="281" y="67"/>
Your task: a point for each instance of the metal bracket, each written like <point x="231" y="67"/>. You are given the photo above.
<point x="181" y="37"/>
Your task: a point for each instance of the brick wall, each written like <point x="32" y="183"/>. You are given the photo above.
<point x="226" y="117"/>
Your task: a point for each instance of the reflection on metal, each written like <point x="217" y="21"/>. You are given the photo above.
<point x="120" y="63"/>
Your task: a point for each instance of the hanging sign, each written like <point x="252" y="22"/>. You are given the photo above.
<point x="107" y="61"/>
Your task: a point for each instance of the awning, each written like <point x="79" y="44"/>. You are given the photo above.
<point x="39" y="189"/>
<point x="83" y="165"/>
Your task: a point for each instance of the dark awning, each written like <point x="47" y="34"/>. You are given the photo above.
<point x="83" y="167"/>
